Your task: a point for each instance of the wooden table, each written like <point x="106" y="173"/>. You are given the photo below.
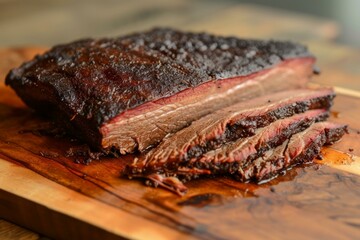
<point x="340" y="69"/>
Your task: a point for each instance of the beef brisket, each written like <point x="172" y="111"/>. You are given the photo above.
<point x="301" y="148"/>
<point x="252" y="163"/>
<point x="191" y="104"/>
<point x="229" y="124"/>
<point x="129" y="92"/>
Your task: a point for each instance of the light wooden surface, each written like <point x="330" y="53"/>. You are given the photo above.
<point x="166" y="216"/>
<point x="57" y="201"/>
<point x="108" y="197"/>
<point x="9" y="231"/>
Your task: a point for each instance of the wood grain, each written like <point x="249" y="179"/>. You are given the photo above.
<point x="281" y="212"/>
<point x="9" y="231"/>
<point x="38" y="179"/>
<point x="65" y="214"/>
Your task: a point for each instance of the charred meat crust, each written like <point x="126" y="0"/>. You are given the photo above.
<point x="88" y="82"/>
<point x="246" y="127"/>
<point x="279" y="162"/>
<point x="230" y="165"/>
<point x="243" y="127"/>
<point x="266" y="168"/>
<point x="146" y="125"/>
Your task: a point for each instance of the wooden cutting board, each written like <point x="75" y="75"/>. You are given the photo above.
<point x="44" y="190"/>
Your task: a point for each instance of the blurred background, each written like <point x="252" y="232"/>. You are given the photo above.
<point x="330" y="28"/>
<point x="44" y="23"/>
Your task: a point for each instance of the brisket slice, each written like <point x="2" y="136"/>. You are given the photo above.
<point x="227" y="156"/>
<point x="302" y="147"/>
<point x="129" y="92"/>
<point x="247" y="149"/>
<point x="229" y="124"/>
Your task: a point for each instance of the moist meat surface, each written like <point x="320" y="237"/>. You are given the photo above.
<point x="298" y="146"/>
<point x="229" y="124"/>
<point x="89" y="82"/>
<point x="147" y="124"/>
<point x="302" y="147"/>
<point x="129" y="93"/>
<point x="233" y="151"/>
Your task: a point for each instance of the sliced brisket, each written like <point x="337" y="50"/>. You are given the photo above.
<point x="300" y="148"/>
<point x="128" y="93"/>
<point x="229" y="124"/>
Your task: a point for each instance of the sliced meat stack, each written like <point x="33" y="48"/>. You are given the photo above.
<point x="188" y="104"/>
<point x="252" y="141"/>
